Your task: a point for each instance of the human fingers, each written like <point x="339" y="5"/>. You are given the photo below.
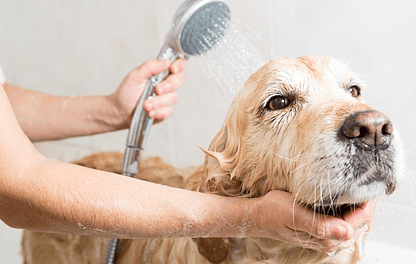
<point x="362" y="215"/>
<point x="151" y="67"/>
<point x="160" y="107"/>
<point x="161" y="114"/>
<point x="294" y="216"/>
<point x="170" y="84"/>
<point x="160" y="101"/>
<point x="306" y="240"/>
<point x="177" y="66"/>
<point x="321" y="226"/>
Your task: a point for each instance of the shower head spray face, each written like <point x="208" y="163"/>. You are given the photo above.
<point x="197" y="26"/>
<point x="205" y="28"/>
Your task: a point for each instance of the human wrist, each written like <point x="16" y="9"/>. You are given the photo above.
<point x="223" y="217"/>
<point x="253" y="218"/>
<point x="239" y="217"/>
<point x="114" y="114"/>
<point x="267" y="211"/>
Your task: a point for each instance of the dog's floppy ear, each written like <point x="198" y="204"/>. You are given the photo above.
<point x="224" y="160"/>
<point x="215" y="250"/>
<point x="224" y="155"/>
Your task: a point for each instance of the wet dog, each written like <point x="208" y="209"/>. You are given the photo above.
<point x="299" y="125"/>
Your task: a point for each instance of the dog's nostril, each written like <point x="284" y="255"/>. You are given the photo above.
<point x="363" y="132"/>
<point x="368" y="129"/>
<point x="353" y="129"/>
<point x="387" y="129"/>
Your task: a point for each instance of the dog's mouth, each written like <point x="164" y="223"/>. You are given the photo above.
<point x="339" y="211"/>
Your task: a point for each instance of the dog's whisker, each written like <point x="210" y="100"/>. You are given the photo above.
<point x="289" y="159"/>
<point x="331" y="199"/>
<point x="321" y="189"/>
<point x="410" y="152"/>
<point x="293" y="219"/>
<point x="410" y="178"/>
<point x="300" y="166"/>
<point x="294" y="225"/>
<point x="314" y="215"/>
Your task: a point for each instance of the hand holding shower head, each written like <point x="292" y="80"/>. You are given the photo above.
<point x="197" y="26"/>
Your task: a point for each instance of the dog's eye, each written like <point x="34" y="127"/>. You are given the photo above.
<point x="277" y="102"/>
<point x="355" y="91"/>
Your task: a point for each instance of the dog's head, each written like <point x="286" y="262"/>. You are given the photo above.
<point x="301" y="125"/>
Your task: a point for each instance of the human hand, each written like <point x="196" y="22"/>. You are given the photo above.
<point x="160" y="107"/>
<point x="360" y="218"/>
<point x="278" y="216"/>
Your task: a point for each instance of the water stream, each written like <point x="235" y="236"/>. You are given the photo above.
<point x="233" y="59"/>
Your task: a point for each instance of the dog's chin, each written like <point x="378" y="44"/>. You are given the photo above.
<point x="356" y="197"/>
<point x="360" y="193"/>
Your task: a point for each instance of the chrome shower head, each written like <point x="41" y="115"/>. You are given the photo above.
<point x="197" y="26"/>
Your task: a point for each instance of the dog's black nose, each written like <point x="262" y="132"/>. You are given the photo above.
<point x="368" y="129"/>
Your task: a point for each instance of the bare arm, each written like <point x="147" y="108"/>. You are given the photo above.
<point x="46" y="195"/>
<point x="47" y="117"/>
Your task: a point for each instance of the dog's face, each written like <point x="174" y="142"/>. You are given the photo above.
<point x="301" y="125"/>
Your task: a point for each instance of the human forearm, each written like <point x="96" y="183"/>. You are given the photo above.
<point x="45" y="195"/>
<point x="47" y="117"/>
<point x="58" y="197"/>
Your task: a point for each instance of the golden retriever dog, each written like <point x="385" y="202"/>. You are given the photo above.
<point x="299" y="125"/>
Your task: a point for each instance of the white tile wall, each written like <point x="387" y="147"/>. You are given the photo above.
<point x="86" y="47"/>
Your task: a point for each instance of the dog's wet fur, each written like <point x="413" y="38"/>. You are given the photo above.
<point x="299" y="125"/>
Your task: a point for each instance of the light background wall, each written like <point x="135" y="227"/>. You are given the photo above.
<point x="86" y="47"/>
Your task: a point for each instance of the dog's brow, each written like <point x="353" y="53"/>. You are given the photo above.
<point x="343" y="76"/>
<point x="314" y="68"/>
<point x="291" y="80"/>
